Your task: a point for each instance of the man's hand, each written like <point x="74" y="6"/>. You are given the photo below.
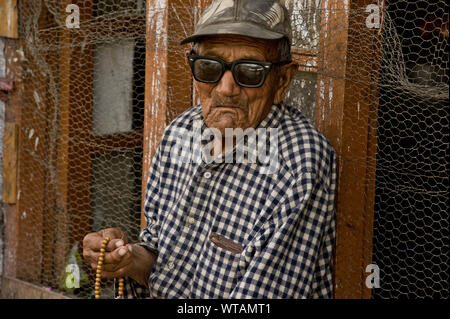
<point x="117" y="256"/>
<point x="121" y="259"/>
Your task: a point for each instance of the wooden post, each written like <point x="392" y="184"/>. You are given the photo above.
<point x="10" y="141"/>
<point x="346" y="112"/>
<point x="168" y="84"/>
<point x="61" y="213"/>
<point x="73" y="208"/>
<point x="9" y="19"/>
<point x="12" y="116"/>
<point x="24" y="219"/>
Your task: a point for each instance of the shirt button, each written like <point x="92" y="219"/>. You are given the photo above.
<point x="207" y="175"/>
<point x="170" y="265"/>
<point x="191" y="220"/>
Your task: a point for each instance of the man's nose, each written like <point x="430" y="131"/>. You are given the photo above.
<point x="227" y="86"/>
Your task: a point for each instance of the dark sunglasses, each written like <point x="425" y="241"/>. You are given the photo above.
<point x="246" y="73"/>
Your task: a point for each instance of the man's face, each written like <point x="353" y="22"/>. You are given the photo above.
<point x="226" y="104"/>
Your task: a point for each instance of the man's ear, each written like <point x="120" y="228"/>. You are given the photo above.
<point x="186" y="53"/>
<point x="287" y="72"/>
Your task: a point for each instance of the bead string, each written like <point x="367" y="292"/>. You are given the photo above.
<point x="98" y="276"/>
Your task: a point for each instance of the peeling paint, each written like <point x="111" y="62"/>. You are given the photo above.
<point x="359" y="108"/>
<point x="37" y="98"/>
<point x="322" y="97"/>
<point x="330" y="96"/>
<point x="21" y="54"/>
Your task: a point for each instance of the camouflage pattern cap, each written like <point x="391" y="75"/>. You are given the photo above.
<point x="262" y="19"/>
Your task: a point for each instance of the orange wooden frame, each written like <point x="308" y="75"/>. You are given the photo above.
<point x="164" y="67"/>
<point x="346" y="112"/>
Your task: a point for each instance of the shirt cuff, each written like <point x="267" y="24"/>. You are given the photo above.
<point x="149" y="247"/>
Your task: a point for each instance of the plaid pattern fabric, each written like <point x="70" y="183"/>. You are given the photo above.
<point x="284" y="222"/>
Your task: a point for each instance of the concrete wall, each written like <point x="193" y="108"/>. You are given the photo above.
<point x="13" y="288"/>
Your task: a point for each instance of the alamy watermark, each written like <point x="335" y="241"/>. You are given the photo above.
<point x="373" y="19"/>
<point x="73" y="19"/>
<point x="373" y="279"/>
<point x="248" y="146"/>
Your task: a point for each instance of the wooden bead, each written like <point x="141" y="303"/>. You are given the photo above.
<point x="98" y="276"/>
<point x="121" y="285"/>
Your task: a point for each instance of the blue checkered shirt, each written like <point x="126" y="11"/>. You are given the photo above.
<point x="229" y="230"/>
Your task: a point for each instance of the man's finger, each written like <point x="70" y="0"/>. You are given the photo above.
<point x="113" y="233"/>
<point x="90" y="256"/>
<point x="92" y="241"/>
<point x="123" y="263"/>
<point x="114" y="244"/>
<point x="117" y="255"/>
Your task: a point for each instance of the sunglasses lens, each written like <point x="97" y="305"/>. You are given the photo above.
<point x="249" y="74"/>
<point x="207" y="70"/>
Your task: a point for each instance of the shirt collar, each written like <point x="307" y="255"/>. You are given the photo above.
<point x="272" y="120"/>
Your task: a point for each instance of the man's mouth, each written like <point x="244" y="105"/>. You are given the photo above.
<point x="227" y="107"/>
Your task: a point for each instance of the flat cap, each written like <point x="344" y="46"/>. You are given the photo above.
<point x="261" y="19"/>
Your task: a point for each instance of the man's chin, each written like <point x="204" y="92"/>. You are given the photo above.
<point x="222" y="122"/>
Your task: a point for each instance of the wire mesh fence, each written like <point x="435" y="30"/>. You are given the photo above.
<point x="82" y="114"/>
<point x="411" y="231"/>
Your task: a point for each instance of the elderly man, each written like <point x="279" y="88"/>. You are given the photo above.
<point x="228" y="229"/>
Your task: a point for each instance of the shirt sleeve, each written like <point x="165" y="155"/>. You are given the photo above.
<point x="149" y="235"/>
<point x="292" y="257"/>
<point x="323" y="285"/>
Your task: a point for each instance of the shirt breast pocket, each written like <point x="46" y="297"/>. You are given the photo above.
<point x="218" y="269"/>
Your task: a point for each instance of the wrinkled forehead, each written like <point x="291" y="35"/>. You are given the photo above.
<point x="264" y="49"/>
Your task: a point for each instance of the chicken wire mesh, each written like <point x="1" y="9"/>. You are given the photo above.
<point x="411" y="231"/>
<point x="82" y="117"/>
